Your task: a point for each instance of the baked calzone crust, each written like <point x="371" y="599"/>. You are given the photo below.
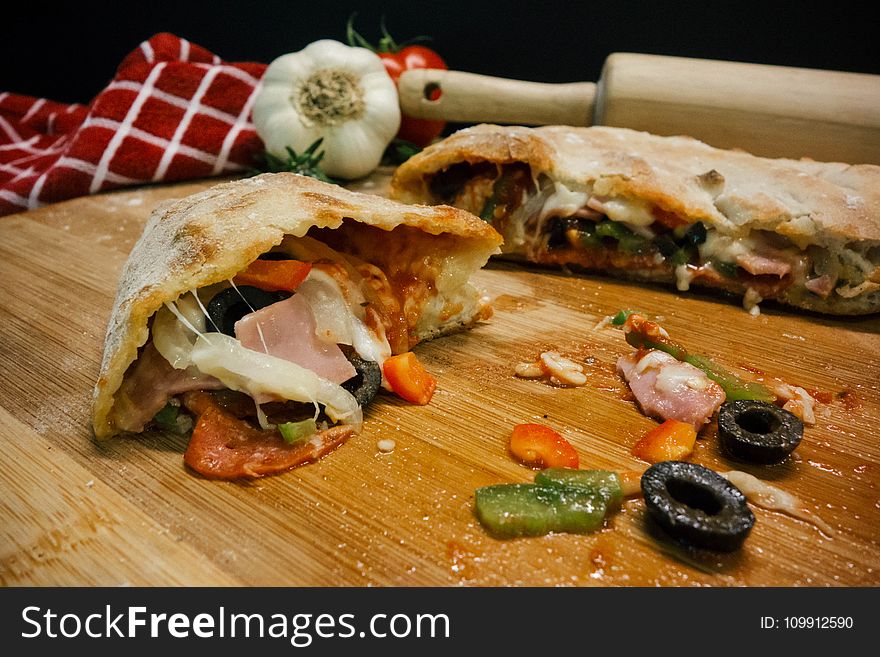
<point x="636" y="205"/>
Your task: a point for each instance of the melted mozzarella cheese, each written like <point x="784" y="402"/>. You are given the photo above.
<point x="175" y="328"/>
<point x="257" y="374"/>
<point x="684" y="274"/>
<point x="342" y="316"/>
<point x="724" y="248"/>
<point x="628" y="211"/>
<point x="672" y="374"/>
<point x="673" y="378"/>
<point x="774" y="498"/>
<point x="563" y="201"/>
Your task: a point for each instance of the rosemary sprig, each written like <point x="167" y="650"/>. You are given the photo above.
<point x="306" y="163"/>
<point x="399" y="151"/>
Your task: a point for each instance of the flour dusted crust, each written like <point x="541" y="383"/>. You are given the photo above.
<point x="831" y="205"/>
<point x="208" y="237"/>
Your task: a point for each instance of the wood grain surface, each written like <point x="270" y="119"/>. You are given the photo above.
<point x="127" y="511"/>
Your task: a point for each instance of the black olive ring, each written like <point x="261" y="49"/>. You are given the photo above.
<point x="231" y="304"/>
<point x="697" y="506"/>
<point x="758" y="432"/>
<point x="365" y="384"/>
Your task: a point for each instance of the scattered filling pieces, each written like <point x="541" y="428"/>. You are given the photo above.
<point x="644" y="334"/>
<point x="296" y="432"/>
<point x="540" y="446"/>
<point x="797" y="401"/>
<point x="757" y="432"/>
<point x="671" y="441"/>
<point x="386" y="445"/>
<point x="409" y="379"/>
<point x="572" y="501"/>
<point x="670" y="389"/>
<point x="696" y="506"/>
<point x="558" y="369"/>
<point x="774" y="498"/>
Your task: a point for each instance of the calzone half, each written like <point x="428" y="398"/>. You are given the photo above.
<point x="264" y="309"/>
<point x="670" y="209"/>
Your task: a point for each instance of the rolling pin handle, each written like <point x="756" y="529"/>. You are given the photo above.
<point x="470" y="98"/>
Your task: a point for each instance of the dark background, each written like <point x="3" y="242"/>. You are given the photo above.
<point x="69" y="53"/>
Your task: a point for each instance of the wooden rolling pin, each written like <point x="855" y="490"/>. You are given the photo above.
<point x="775" y="111"/>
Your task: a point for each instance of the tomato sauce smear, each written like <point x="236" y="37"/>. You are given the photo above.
<point x="225" y="447"/>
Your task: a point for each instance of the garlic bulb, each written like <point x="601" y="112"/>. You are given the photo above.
<point x="334" y="91"/>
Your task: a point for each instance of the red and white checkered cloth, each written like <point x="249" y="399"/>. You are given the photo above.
<point x="173" y="111"/>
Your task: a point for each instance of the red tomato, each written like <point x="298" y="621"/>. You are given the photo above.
<point x="539" y="446"/>
<point x="421" y="132"/>
<point x="398" y="58"/>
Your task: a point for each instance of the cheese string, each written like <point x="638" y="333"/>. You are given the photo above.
<point x="172" y="306"/>
<point x="195" y="293"/>
<point x="253" y="310"/>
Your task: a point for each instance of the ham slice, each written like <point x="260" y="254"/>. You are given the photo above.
<point x="149" y="385"/>
<point x="287" y="330"/>
<point x="670" y="389"/>
<point x="822" y="285"/>
<point x="759" y="265"/>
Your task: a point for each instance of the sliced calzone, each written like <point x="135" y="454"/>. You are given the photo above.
<point x="263" y="310"/>
<point x="672" y="209"/>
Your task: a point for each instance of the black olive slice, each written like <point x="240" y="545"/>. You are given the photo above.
<point x="365" y="384"/>
<point x="696" y="506"/>
<point x="665" y="244"/>
<point x="758" y="432"/>
<point x="230" y="305"/>
<point x="275" y="255"/>
<point x="696" y="234"/>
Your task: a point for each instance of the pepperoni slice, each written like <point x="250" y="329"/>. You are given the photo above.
<point x="225" y="447"/>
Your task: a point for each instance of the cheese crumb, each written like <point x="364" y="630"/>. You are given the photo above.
<point x="386" y="445"/>
<point x="751" y="301"/>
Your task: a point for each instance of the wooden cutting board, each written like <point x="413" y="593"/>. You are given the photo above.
<point x="75" y="512"/>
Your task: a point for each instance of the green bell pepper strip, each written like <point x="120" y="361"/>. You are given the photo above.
<point x="613" y="229"/>
<point x="603" y="483"/>
<point x="726" y="269"/>
<point x="295" y="432"/>
<point x="682" y="256"/>
<point x="627" y="241"/>
<point x="167" y="417"/>
<point x="502" y="194"/>
<point x="514" y="510"/>
<point x="734" y="387"/>
<point x="487" y="214"/>
<point x="633" y="244"/>
<point x="620" y="318"/>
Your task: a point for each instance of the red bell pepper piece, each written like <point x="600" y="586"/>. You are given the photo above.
<point x="274" y="275"/>
<point x="409" y="379"/>
<point x="671" y="441"/>
<point x="540" y="446"/>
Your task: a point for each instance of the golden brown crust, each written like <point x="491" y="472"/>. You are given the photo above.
<point x="831" y="205"/>
<point x="682" y="175"/>
<point x="210" y="236"/>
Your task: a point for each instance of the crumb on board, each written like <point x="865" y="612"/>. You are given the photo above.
<point x="386" y="445"/>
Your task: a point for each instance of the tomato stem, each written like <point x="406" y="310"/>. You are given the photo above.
<point x="387" y="44"/>
<point x="354" y="38"/>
